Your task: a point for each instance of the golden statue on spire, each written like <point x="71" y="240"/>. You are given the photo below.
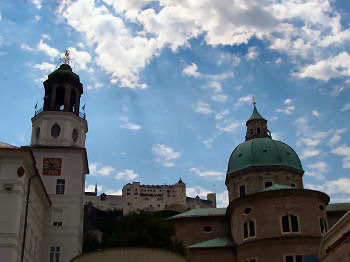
<point x="254" y="103"/>
<point x="66" y="57"/>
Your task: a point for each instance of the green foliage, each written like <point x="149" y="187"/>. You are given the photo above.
<point x="145" y="230"/>
<point x="90" y="243"/>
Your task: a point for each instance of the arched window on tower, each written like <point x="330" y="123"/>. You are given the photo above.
<point x="59" y="99"/>
<point x="73" y="99"/>
<point x="249" y="229"/>
<point x="290" y="224"/>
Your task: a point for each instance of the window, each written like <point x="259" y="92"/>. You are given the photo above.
<point x="249" y="229"/>
<point x="57" y="217"/>
<point x="294" y="258"/>
<point x="251" y="131"/>
<point x="268" y="184"/>
<point x="292" y="185"/>
<point x="207" y="229"/>
<point x="290" y="224"/>
<point x="60" y="185"/>
<point x="55" y="254"/>
<point x="242" y="190"/>
<point x="258" y="129"/>
<point x="323" y="225"/>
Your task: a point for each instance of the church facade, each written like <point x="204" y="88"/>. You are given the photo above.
<point x="270" y="216"/>
<point x="42" y="185"/>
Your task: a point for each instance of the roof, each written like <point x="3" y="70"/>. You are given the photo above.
<point x="263" y="152"/>
<point x="276" y="187"/>
<point x="225" y="241"/>
<point x="64" y="69"/>
<point x="201" y="212"/>
<point x="338" y="207"/>
<point x="4" y="145"/>
<point x="255" y="114"/>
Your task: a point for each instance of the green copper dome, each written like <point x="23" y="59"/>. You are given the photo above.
<point x="263" y="152"/>
<point x="64" y="70"/>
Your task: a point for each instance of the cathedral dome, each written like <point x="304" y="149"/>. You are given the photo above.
<point x="265" y="151"/>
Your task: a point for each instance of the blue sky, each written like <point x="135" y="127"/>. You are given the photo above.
<point x="168" y="84"/>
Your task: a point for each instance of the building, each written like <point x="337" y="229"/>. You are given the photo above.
<point x="136" y="196"/>
<point x="42" y="185"/>
<point x="270" y="216"/>
<point x="335" y="245"/>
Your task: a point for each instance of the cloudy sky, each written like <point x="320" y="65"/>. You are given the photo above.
<point x="168" y="84"/>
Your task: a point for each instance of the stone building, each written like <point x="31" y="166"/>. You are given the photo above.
<point x="136" y="196"/>
<point x="42" y="185"/>
<point x="270" y="216"/>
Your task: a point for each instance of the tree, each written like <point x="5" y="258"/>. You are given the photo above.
<point x="145" y="230"/>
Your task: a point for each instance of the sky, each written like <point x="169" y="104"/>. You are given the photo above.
<point x="168" y="84"/>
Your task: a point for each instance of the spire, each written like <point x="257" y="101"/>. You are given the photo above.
<point x="256" y="125"/>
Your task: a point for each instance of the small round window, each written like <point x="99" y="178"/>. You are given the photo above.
<point x="55" y="131"/>
<point x="75" y="135"/>
<point x="247" y="210"/>
<point x="207" y="229"/>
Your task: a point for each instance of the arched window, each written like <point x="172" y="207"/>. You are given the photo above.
<point x="249" y="229"/>
<point x="323" y="225"/>
<point x="242" y="190"/>
<point x="290" y="224"/>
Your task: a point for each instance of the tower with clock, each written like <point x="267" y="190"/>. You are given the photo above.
<point x="58" y="144"/>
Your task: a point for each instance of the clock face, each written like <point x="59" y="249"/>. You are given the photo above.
<point x="52" y="166"/>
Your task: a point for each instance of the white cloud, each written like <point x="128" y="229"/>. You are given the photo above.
<point x="329" y="68"/>
<point x="98" y="169"/>
<point x="320" y="166"/>
<point x="345" y="107"/>
<point x="278" y="60"/>
<point x="248" y="99"/>
<point x="26" y="47"/>
<point x="310" y="142"/>
<point x="79" y="58"/>
<point x="48" y="50"/>
<point x="113" y="192"/>
<point x="222" y="199"/>
<point x="197" y="191"/>
<point x="37" y="3"/>
<point x="208" y="173"/>
<point x="310" y="152"/>
<point x="203" y="108"/>
<point x="338" y="189"/>
<point x="288" y="109"/>
<point x="91" y="188"/>
<point x="229" y="127"/>
<point x="44" y="66"/>
<point x="221" y="114"/>
<point x="344" y="151"/>
<point x="316" y="113"/>
<point x="128" y="125"/>
<point x="336" y="136"/>
<point x="253" y="53"/>
<point x="126" y="174"/>
<point x="316" y="175"/>
<point x="219" y="98"/>
<point x="164" y="155"/>
<point x="191" y="70"/>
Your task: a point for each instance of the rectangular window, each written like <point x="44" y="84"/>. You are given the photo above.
<point x="60" y="186"/>
<point x="57" y="217"/>
<point x="258" y="129"/>
<point x="292" y="185"/>
<point x="249" y="229"/>
<point x="295" y="227"/>
<point x="294" y="258"/>
<point x="285" y="224"/>
<point x="268" y="184"/>
<point x="55" y="253"/>
<point x="289" y="259"/>
<point x="242" y="191"/>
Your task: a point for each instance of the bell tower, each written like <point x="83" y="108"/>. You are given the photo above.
<point x="60" y="122"/>
<point x="58" y="145"/>
<point x="256" y="125"/>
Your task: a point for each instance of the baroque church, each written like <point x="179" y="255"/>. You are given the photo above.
<point x="270" y="216"/>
